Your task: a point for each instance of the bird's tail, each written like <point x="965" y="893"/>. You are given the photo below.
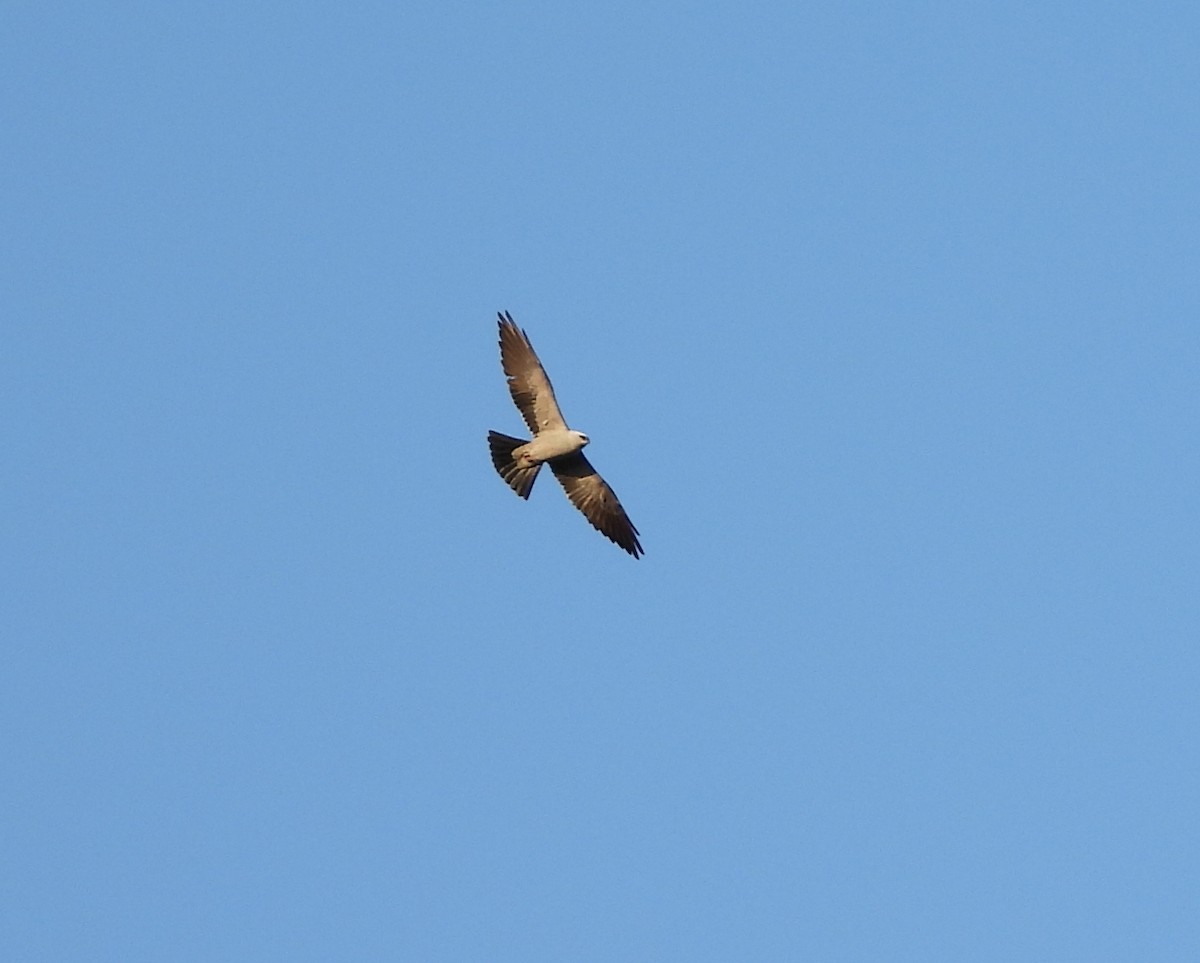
<point x="519" y="479"/>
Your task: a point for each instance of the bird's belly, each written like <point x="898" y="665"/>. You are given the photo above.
<point x="550" y="445"/>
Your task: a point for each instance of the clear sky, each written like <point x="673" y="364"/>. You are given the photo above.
<point x="884" y="320"/>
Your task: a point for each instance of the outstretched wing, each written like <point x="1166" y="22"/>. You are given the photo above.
<point x="531" y="389"/>
<point x="591" y="495"/>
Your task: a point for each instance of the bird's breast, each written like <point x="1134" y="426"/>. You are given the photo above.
<point x="552" y="444"/>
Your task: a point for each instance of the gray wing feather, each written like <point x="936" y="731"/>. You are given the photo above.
<point x="592" y="495"/>
<point x="527" y="380"/>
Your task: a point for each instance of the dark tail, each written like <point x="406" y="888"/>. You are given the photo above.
<point x="519" y="480"/>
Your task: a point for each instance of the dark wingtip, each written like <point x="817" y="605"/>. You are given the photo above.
<point x="626" y="539"/>
<point x="506" y="322"/>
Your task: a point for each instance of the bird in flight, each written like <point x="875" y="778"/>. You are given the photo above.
<point x="518" y="461"/>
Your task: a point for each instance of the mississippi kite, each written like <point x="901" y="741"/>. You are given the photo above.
<point x="518" y="461"/>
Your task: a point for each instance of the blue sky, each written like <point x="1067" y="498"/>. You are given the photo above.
<point x="883" y="322"/>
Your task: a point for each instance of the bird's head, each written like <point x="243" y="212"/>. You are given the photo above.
<point x="583" y="439"/>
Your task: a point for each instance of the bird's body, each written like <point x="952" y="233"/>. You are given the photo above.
<point x="518" y="461"/>
<point x="549" y="445"/>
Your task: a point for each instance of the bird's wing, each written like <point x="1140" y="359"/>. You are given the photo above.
<point x="531" y="389"/>
<point x="591" y="495"/>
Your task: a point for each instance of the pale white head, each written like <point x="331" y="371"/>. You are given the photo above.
<point x="581" y="438"/>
